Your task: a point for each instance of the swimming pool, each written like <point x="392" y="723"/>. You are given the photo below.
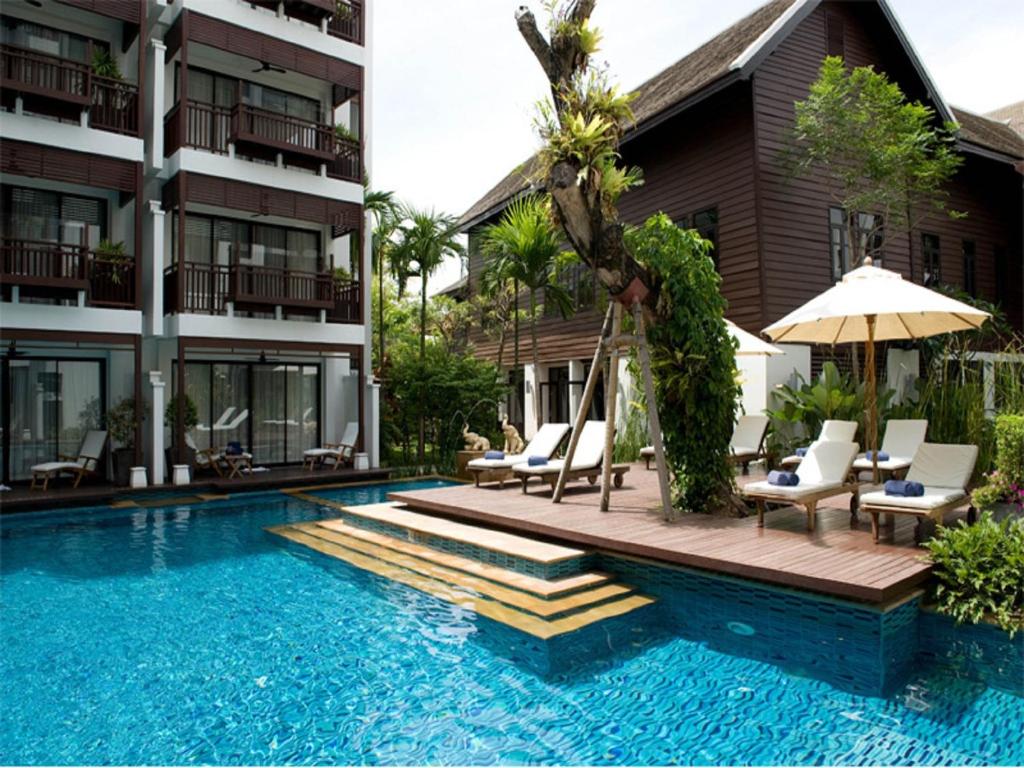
<point x="187" y="634"/>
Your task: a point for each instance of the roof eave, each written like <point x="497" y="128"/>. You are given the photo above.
<point x="992" y="154"/>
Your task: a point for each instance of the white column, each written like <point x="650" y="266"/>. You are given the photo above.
<point x="575" y="393"/>
<point x="627" y="387"/>
<point x="153" y="271"/>
<point x="372" y="443"/>
<point x="156" y="429"/>
<point x="154" y="108"/>
<point x="531" y="401"/>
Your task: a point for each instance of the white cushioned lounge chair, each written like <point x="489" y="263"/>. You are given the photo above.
<point x="585" y="463"/>
<point x="339" y="453"/>
<point x="944" y="471"/>
<point x="85" y="463"/>
<point x="544" y="443"/>
<point x="831" y="430"/>
<point x="902" y="439"/>
<point x="824" y="472"/>
<point x="746" y="443"/>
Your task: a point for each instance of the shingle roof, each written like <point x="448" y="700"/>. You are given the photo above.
<point x="989" y="133"/>
<point x="703" y="67"/>
<point x="693" y="72"/>
<point x="1012" y="114"/>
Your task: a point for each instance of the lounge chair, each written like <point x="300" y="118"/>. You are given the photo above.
<point x="824" y="472"/>
<point x="585" y="463"/>
<point x="206" y="458"/>
<point x="944" y="471"/>
<point x="746" y="443"/>
<point x="902" y="439"/>
<point x="340" y="452"/>
<point x="219" y="424"/>
<point x="544" y="443"/>
<point x="235" y="423"/>
<point x="85" y="463"/>
<point x="831" y="430"/>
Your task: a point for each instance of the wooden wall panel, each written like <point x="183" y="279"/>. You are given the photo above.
<point x="45" y="162"/>
<point x="795" y="211"/>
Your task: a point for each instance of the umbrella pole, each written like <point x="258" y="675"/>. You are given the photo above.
<point x="872" y="397"/>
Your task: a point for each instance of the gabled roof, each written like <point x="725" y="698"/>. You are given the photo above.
<point x="732" y="55"/>
<point x="989" y="134"/>
<point x="1011" y="114"/>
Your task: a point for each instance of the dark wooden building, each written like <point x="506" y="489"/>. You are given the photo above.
<point x="708" y="135"/>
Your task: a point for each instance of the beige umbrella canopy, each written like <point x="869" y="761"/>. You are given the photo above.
<point x="872" y="304"/>
<point x="749" y="344"/>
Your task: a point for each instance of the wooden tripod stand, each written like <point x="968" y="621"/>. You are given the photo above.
<point x="610" y="347"/>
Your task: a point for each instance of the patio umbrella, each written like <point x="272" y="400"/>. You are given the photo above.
<point x="749" y="344"/>
<point x="872" y="304"/>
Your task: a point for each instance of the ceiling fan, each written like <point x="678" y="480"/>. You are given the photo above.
<point x="266" y="66"/>
<point x="13" y="353"/>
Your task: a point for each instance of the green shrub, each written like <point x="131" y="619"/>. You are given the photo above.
<point x="980" y="571"/>
<point x="171" y="414"/>
<point x="121" y="422"/>
<point x="1005" y="485"/>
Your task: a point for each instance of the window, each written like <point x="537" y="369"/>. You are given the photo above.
<point x="578" y="281"/>
<point x="969" y="272"/>
<point x="706" y="224"/>
<point x="835" y="30"/>
<point x="53" y="217"/>
<point x="52" y="42"/>
<point x="868" y="236"/>
<point x="215" y="240"/>
<point x="931" y="259"/>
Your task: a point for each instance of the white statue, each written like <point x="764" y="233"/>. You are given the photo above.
<point x="514" y="444"/>
<point x="474" y="442"/>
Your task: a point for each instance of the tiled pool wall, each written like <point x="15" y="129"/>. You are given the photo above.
<point x="856" y="648"/>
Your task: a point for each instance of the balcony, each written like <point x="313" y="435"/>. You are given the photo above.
<point x="61" y="271"/>
<point x="310" y="11"/>
<point x="209" y="288"/>
<point x="263" y="134"/>
<point x="65" y="88"/>
<point x="347" y="21"/>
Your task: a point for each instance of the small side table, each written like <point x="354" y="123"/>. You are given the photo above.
<point x="182" y="476"/>
<point x="237" y="462"/>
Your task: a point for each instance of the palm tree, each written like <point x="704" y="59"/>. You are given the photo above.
<point x="426" y="239"/>
<point x="384" y="209"/>
<point x="524" y="247"/>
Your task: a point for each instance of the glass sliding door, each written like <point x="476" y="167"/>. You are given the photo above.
<point x="51" y="404"/>
<point x="269" y="420"/>
<point x="302" y="383"/>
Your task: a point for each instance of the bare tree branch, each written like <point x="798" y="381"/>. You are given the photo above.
<point x="528" y="29"/>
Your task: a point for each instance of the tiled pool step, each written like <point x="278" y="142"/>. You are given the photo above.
<point x="528" y="556"/>
<point x="542" y="608"/>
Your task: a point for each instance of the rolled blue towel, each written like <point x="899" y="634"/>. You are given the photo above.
<point x="801" y="452"/>
<point x="777" y="477"/>
<point x="234" y="448"/>
<point x="882" y="455"/>
<point x="903" y="488"/>
<point x="494" y="455"/>
<point x="537" y="461"/>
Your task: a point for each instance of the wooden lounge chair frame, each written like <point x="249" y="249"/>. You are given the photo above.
<point x="936" y="515"/>
<point x="41" y="478"/>
<point x="810" y="503"/>
<point x="592" y="474"/>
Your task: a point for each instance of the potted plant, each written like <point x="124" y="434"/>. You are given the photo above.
<point x="105" y="65"/>
<point x="191" y="418"/>
<point x="1002" y="492"/>
<point x="121" y="427"/>
<point x="114" y="254"/>
<point x="344" y="133"/>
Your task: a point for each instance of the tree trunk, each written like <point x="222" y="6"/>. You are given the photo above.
<point x="421" y="446"/>
<point x="515" y="350"/>
<point x="536" y="357"/>
<point x="380" y="309"/>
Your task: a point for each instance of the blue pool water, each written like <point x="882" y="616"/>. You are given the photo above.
<point x="189" y="635"/>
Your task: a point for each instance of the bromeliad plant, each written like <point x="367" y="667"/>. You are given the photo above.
<point x="980" y="572"/>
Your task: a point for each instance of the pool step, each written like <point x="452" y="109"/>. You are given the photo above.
<point x="542" y="608"/>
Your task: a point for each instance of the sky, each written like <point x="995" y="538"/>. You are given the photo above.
<point x="455" y="87"/>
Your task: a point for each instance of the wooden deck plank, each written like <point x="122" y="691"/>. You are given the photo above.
<point x="835" y="559"/>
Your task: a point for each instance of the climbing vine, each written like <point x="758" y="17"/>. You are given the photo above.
<point x="693" y="361"/>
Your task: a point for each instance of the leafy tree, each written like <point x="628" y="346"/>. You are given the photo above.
<point x="383" y="207"/>
<point x="878" y="152"/>
<point x="426" y="239"/>
<point x="580" y="167"/>
<point x="524" y="247"/>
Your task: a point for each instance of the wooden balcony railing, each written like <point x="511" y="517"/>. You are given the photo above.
<point x="208" y="288"/>
<point x="347" y="21"/>
<point x="347" y="163"/>
<point x="282" y="133"/>
<point x="58" y="270"/>
<point x="112" y="104"/>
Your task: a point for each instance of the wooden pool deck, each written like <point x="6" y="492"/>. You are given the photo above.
<point x="835" y="560"/>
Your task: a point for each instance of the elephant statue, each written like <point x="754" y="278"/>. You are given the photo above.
<point x="474" y="442"/>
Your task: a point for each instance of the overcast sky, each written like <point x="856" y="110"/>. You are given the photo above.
<point x="454" y="85"/>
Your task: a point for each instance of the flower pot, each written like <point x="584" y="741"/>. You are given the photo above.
<point x="123" y="459"/>
<point x="1003" y="510"/>
<point x="171" y="458"/>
